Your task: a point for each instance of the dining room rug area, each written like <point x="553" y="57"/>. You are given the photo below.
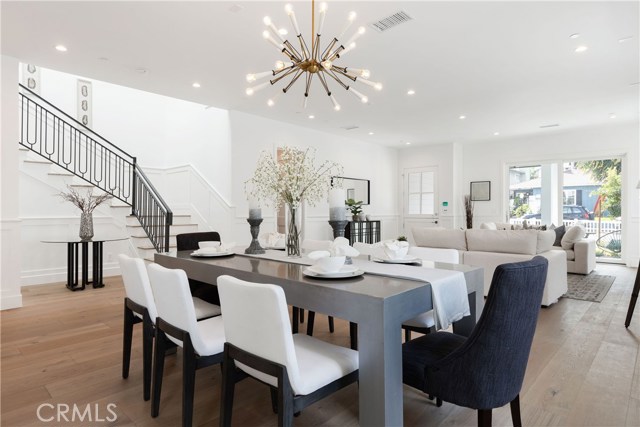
<point x="592" y="287"/>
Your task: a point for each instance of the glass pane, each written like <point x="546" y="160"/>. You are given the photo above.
<point x="414" y="204"/>
<point x="427" y="182"/>
<point x="414" y="182"/>
<point x="428" y="207"/>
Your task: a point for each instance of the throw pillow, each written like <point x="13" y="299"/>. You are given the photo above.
<point x="572" y="235"/>
<point x="559" y="233"/>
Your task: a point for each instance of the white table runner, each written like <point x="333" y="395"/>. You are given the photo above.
<point x="449" y="288"/>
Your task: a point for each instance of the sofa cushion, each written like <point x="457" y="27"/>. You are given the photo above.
<point x="545" y="241"/>
<point x="432" y="237"/>
<point x="503" y="241"/>
<point x="559" y="233"/>
<point x="571" y="254"/>
<point x="572" y="235"/>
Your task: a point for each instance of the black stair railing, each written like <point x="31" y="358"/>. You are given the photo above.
<point x="61" y="139"/>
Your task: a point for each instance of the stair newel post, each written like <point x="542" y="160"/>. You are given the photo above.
<point x="166" y="230"/>
<point x="134" y="190"/>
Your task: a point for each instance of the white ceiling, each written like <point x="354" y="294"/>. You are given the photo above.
<point x="509" y="66"/>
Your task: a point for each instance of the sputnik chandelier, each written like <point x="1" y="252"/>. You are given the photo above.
<point x="310" y="62"/>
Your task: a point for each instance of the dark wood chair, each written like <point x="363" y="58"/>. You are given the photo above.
<point x="485" y="370"/>
<point x="299" y="369"/>
<point x="189" y="242"/>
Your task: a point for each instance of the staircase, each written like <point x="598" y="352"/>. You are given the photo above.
<point x="61" y="151"/>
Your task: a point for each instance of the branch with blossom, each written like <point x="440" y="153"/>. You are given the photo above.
<point x="86" y="203"/>
<point x="293" y="178"/>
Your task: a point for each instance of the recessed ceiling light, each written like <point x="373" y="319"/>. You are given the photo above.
<point x="370" y="133"/>
<point x="625" y="39"/>
<point x="496" y="133"/>
<point x="612" y="116"/>
<point x="196" y="85"/>
<point x="574" y="36"/>
<point x="462" y="117"/>
<point x="411" y="92"/>
<point x="407" y="143"/>
<point x="61" y="48"/>
<point x="581" y="49"/>
<point x="311" y="116"/>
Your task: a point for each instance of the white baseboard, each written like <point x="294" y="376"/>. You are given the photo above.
<point x="10" y="301"/>
<point x="58" y="275"/>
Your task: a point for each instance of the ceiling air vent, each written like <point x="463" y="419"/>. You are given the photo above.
<point x="391" y="21"/>
<point x="350" y="127"/>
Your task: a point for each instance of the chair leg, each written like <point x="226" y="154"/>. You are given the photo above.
<point x="331" y="325"/>
<point x="274" y="399"/>
<point x="353" y="335"/>
<point x="295" y="320"/>
<point x="302" y="315"/>
<point x="407" y="335"/>
<point x="228" y="388"/>
<point x="515" y="412"/>
<point x="311" y="317"/>
<point x="147" y="356"/>
<point x="158" y="369"/>
<point x="126" y="341"/>
<point x="484" y="417"/>
<point x="188" y="383"/>
<point x="285" y="404"/>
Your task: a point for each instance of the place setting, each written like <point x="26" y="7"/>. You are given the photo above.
<point x="334" y="262"/>
<point x="212" y="249"/>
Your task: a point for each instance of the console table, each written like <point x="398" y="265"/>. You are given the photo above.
<point x="362" y="231"/>
<point x="73" y="244"/>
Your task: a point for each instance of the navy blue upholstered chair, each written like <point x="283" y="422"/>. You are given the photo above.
<point x="485" y="370"/>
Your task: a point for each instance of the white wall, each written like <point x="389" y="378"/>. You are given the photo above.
<point x="252" y="134"/>
<point x="488" y="161"/>
<point x="10" y="243"/>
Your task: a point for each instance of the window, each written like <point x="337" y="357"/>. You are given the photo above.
<point x="421" y="192"/>
<point x="569" y="197"/>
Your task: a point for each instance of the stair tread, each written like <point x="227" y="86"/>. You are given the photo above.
<point x="43" y="161"/>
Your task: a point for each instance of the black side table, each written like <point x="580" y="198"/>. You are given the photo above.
<point x="74" y="247"/>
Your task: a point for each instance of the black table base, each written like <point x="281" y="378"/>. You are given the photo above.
<point x="73" y="266"/>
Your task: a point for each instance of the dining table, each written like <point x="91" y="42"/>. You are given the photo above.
<point x="377" y="302"/>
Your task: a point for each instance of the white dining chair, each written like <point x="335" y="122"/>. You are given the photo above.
<point x="201" y="341"/>
<point x="425" y="322"/>
<point x="299" y="369"/>
<point x="364" y="248"/>
<point x="140" y="307"/>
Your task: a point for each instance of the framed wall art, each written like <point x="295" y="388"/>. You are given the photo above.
<point x="84" y="102"/>
<point x="480" y="191"/>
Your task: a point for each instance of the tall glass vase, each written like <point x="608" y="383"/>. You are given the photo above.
<point x="86" y="226"/>
<point x="293" y="232"/>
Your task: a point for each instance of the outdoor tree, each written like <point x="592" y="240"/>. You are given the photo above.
<point x="610" y="192"/>
<point x="599" y="169"/>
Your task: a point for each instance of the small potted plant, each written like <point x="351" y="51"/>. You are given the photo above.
<point x="402" y="239"/>
<point x="355" y="208"/>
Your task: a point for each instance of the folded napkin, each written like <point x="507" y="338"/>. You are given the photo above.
<point x="224" y="247"/>
<point x="395" y="249"/>
<point x="339" y="247"/>
<point x="273" y="240"/>
<point x="449" y="293"/>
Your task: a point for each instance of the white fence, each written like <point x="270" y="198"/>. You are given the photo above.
<point x="591" y="227"/>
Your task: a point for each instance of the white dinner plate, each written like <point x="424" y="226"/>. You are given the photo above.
<point x="407" y="259"/>
<point x="345" y="271"/>
<point x="211" y="254"/>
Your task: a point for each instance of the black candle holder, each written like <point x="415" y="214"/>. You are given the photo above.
<point x="254" y="248"/>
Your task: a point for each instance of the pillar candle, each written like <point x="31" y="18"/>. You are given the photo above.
<point x="254" y="209"/>
<point x="337" y="210"/>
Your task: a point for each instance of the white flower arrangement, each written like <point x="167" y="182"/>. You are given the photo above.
<point x="293" y="178"/>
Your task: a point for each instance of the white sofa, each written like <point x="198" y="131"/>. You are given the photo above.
<point x="490" y="248"/>
<point x="579" y="250"/>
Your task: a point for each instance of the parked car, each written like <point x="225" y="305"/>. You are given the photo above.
<point x="568" y="212"/>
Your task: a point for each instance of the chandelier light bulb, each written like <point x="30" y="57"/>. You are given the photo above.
<point x="267" y="36"/>
<point x="251" y="78"/>
<point x="350" y="19"/>
<point x="378" y="86"/>
<point x="249" y="91"/>
<point x="327" y="65"/>
<point x="358" y="95"/>
<point x="352" y="16"/>
<point x="288" y="8"/>
<point x="375" y="85"/>
<point x="349" y="48"/>
<point x="266" y="20"/>
<point x="279" y="65"/>
<point x="365" y="74"/>
<point x="323" y="15"/>
<point x="356" y="35"/>
<point x="323" y="7"/>
<point x="336" y="106"/>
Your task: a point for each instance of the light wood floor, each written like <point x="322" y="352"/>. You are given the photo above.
<point x="65" y="348"/>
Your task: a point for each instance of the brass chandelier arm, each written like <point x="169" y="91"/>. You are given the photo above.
<point x="309" y="79"/>
<point x="303" y="47"/>
<point x="296" y="77"/>
<point x="289" y="72"/>
<point x="339" y="71"/>
<point x="316" y="47"/>
<point x="291" y="52"/>
<point x="327" y="51"/>
<point x="324" y="83"/>
<point x="334" y="77"/>
<point x="336" y="54"/>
